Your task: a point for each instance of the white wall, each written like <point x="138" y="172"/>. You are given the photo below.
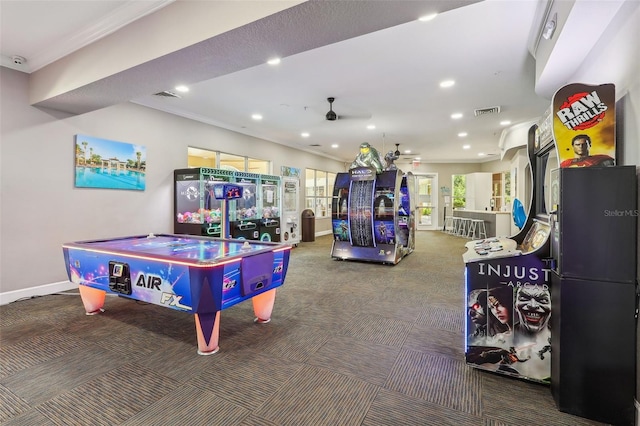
<point x="41" y="209"/>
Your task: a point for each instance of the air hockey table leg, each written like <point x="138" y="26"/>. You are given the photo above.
<point x="92" y="299"/>
<point x="263" y="306"/>
<point x="208" y="331"/>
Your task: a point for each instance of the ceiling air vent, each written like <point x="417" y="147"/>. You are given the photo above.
<point x="167" y="94"/>
<point x="485" y="111"/>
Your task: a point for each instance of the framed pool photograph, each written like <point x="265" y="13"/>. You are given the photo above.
<point x="103" y="163"/>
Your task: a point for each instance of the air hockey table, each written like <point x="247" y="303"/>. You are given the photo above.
<point x="198" y="275"/>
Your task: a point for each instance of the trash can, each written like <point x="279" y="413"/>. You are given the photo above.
<point x="308" y="226"/>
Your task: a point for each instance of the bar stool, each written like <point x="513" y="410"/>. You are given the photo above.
<point x="481" y="228"/>
<point x="471" y="229"/>
<point x="455" y="224"/>
<point x="463" y="228"/>
<point x="448" y="224"/>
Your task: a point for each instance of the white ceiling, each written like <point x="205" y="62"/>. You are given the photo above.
<point x="389" y="77"/>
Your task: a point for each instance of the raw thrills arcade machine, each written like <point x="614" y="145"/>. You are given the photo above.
<point x="508" y="293"/>
<point x="373" y="211"/>
<point x="594" y="268"/>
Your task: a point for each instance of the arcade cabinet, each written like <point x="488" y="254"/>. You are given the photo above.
<point x="196" y="210"/>
<point x="373" y="215"/>
<point x="244" y="214"/>
<point x="595" y="294"/>
<point x="595" y="260"/>
<point x="508" y="292"/>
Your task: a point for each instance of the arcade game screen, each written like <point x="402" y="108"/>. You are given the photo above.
<point x="404" y="208"/>
<point x="536" y="237"/>
<point x="383" y="204"/>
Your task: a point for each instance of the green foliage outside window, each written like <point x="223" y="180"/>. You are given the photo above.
<point x="459" y="191"/>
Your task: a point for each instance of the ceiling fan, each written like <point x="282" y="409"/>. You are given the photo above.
<point x="332" y="116"/>
<point x="406" y="155"/>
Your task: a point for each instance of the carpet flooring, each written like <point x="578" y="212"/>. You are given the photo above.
<point x="350" y="343"/>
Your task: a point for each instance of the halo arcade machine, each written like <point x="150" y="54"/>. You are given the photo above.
<point x="373" y="215"/>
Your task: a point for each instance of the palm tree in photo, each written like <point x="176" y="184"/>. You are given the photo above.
<point x="78" y="154"/>
<point x="138" y="155"/>
<point x="84" y="154"/>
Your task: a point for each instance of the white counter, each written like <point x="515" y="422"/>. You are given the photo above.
<point x="498" y="224"/>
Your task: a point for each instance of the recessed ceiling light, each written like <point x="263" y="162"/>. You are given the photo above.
<point x="371" y="126"/>
<point x="273" y="61"/>
<point x="256" y="117"/>
<point x="481" y="154"/>
<point x="456" y="116"/>
<point x="304" y="134"/>
<point x="462" y="134"/>
<point x="182" y="88"/>
<point x="505" y="123"/>
<point x="417" y="158"/>
<point x="428" y="17"/>
<point x="335" y="145"/>
<point x="407" y="151"/>
<point x="466" y="146"/>
<point x="447" y="83"/>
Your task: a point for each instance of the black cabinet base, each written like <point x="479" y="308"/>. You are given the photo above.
<point x="593" y="348"/>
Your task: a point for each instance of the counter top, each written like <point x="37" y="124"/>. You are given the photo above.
<point x="480" y="211"/>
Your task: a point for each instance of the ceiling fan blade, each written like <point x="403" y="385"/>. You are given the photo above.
<point x="354" y="116"/>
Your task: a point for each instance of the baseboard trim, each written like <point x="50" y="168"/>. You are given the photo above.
<point x="321" y="233"/>
<point x="42" y="290"/>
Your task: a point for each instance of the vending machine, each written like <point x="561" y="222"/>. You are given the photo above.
<point x="290" y="218"/>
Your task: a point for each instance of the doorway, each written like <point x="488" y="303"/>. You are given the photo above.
<point x="426" y="201"/>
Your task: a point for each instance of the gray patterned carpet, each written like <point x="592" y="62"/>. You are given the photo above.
<point x="349" y="343"/>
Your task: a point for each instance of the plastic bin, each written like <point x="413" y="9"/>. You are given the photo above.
<point x="308" y="226"/>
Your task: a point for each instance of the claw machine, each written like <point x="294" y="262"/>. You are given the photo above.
<point x="196" y="210"/>
<point x="244" y="213"/>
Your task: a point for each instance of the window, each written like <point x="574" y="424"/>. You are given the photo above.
<point x="319" y="191"/>
<point x="459" y="191"/>
<point x="197" y="157"/>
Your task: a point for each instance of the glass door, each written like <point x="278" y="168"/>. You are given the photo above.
<point x="427" y="201"/>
